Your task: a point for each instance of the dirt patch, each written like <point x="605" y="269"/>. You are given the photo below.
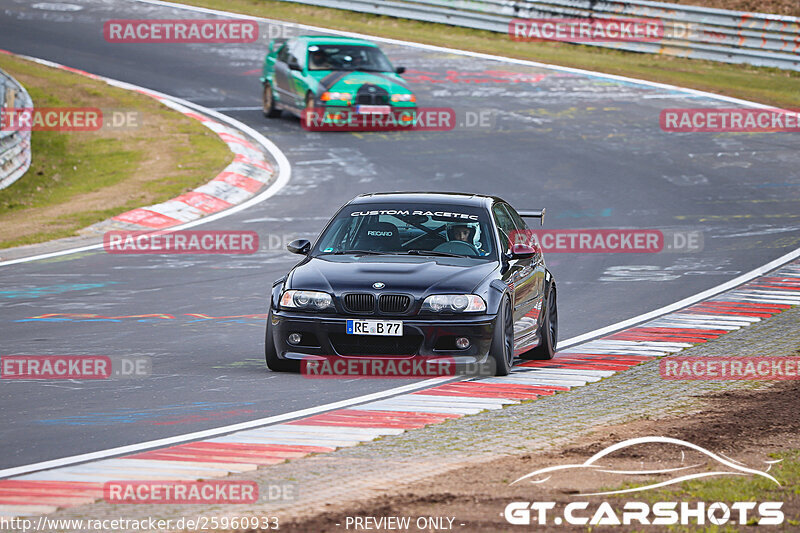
<point x="745" y="426"/>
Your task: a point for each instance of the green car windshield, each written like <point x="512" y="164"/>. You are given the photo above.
<point x="347" y="57"/>
<point x="412" y="229"/>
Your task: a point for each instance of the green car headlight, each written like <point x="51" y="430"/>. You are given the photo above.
<point x="404" y="98"/>
<point x="327" y="96"/>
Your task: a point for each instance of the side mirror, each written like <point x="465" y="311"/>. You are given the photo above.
<point x="299" y="246"/>
<point x="400" y="70"/>
<point x="275" y="44"/>
<point x="294" y="65"/>
<point x="523" y="251"/>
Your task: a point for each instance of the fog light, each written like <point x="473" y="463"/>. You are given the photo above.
<point x="462" y="343"/>
<point x="294" y="338"/>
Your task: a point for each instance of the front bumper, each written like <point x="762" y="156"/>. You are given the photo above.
<point x="323" y="335"/>
<point x="351" y="118"/>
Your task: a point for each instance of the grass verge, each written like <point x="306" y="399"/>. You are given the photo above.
<point x="79" y="178"/>
<point x="766" y="85"/>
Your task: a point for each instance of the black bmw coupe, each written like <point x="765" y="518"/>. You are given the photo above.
<point x="410" y="275"/>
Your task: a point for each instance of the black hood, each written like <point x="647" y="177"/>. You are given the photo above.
<point x="419" y="276"/>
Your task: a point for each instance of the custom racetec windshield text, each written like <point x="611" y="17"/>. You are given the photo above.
<point x="414" y="229"/>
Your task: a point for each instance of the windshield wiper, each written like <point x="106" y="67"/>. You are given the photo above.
<point x="431" y="252"/>
<point x="364" y="252"/>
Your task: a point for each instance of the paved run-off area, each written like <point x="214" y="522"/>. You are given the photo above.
<point x="383" y="467"/>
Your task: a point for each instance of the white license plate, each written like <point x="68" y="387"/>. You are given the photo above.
<point x="390" y="328"/>
<point x="373" y="109"/>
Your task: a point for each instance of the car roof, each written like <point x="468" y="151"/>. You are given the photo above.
<point x="326" y="39"/>
<point x="447" y="198"/>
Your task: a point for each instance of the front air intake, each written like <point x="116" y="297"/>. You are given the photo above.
<point x="369" y="94"/>
<point x="394" y="303"/>
<point x="360" y="303"/>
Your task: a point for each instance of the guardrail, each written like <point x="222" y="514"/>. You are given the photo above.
<point x="695" y="32"/>
<point x="15" y="146"/>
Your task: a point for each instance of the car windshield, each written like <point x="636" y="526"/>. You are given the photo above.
<point x="412" y="229"/>
<point x="347" y="57"/>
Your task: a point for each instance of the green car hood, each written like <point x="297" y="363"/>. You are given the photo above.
<point x="350" y="80"/>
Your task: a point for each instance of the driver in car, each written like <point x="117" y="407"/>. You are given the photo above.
<point x="461" y="233"/>
<point x="319" y="59"/>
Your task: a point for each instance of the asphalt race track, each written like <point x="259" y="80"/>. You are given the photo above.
<point x="587" y="148"/>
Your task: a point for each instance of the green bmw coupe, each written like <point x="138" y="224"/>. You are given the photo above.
<point x="333" y="78"/>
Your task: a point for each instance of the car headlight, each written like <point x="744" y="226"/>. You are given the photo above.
<point x="326" y="96"/>
<point x="454" y="303"/>
<point x="404" y="98"/>
<point x="307" y="300"/>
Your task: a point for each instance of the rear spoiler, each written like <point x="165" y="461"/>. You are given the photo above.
<point x="533" y="213"/>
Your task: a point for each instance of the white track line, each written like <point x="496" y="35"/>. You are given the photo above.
<point x="197" y="435"/>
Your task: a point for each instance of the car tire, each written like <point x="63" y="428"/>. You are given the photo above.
<point x="502" y="348"/>
<point x="268" y="101"/>
<point x="548" y="331"/>
<point x="274" y="363"/>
